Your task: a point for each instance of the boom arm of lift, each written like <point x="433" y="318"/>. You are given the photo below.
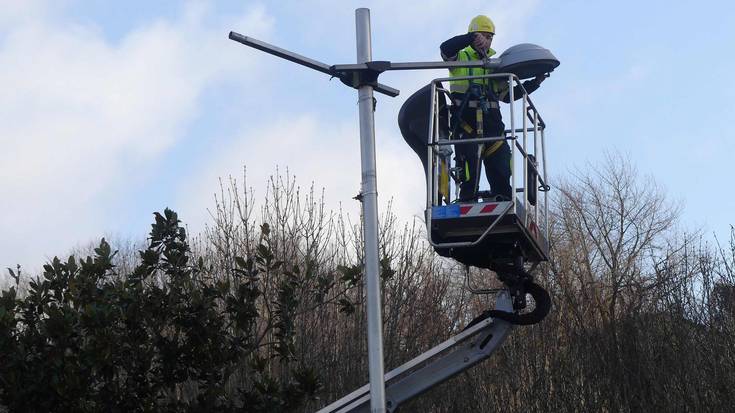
<point x="435" y="366"/>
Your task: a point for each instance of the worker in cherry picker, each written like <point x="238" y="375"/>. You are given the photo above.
<point x="496" y="156"/>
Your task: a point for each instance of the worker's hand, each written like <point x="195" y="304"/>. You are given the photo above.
<point x="540" y="78"/>
<point x="480" y="43"/>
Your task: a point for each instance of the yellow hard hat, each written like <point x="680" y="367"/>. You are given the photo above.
<point x="481" y="24"/>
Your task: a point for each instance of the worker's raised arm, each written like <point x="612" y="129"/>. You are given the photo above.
<point x="529" y="85"/>
<point x="451" y="47"/>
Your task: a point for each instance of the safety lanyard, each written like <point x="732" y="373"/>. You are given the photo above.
<point x="472" y="69"/>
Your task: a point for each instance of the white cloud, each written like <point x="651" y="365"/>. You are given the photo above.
<point x="13" y="12"/>
<point x="297" y="142"/>
<point x="80" y="115"/>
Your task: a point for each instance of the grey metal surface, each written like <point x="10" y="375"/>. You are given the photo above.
<point x="540" y="244"/>
<point x="302" y="60"/>
<point x="445" y="142"/>
<point x="535" y="150"/>
<point x="490" y="227"/>
<point x="546" y="193"/>
<point x="525" y="145"/>
<point x="527" y="60"/>
<point x="360" y="395"/>
<point x="282" y="53"/>
<point x="432" y="196"/>
<point x="467" y="355"/>
<point x="369" y="197"/>
<point x="488" y="64"/>
<point x="435" y="366"/>
<point x="513" y="175"/>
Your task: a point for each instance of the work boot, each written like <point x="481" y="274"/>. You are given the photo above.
<point x="497" y="198"/>
<point x="467" y="193"/>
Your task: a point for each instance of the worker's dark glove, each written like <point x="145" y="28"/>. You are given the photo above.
<point x="480" y="43"/>
<point x="540" y="78"/>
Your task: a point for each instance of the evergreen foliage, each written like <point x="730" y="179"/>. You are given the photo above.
<point x="169" y="336"/>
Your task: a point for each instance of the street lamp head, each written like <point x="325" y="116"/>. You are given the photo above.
<point x="527" y="60"/>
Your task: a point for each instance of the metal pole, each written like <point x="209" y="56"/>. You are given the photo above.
<point x="546" y="192"/>
<point x="370" y="220"/>
<point x="513" y="145"/>
<point x="536" y="150"/>
<point x="525" y="157"/>
<point x="431" y="181"/>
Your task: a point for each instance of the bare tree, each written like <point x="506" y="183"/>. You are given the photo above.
<point x="643" y="318"/>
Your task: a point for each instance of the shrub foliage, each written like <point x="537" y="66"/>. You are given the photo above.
<point x="168" y="336"/>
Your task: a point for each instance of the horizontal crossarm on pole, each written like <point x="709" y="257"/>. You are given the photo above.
<point x="304" y="61"/>
<point x="488" y="64"/>
<point x="282" y="53"/>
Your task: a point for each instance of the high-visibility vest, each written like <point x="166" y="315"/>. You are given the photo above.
<point x="461" y="86"/>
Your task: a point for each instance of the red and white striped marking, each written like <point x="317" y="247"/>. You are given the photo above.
<point x="474" y="210"/>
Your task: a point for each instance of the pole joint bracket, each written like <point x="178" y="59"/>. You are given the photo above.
<point x="363" y="77"/>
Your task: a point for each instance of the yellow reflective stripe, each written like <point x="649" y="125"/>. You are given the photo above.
<point x="492" y="148"/>
<point x="487" y="151"/>
<point x="500" y="88"/>
<point x="467" y="128"/>
<point x="444" y="180"/>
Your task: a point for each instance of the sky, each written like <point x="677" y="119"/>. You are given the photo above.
<point x="110" y="111"/>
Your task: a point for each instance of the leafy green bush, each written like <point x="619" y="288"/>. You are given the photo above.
<point x="169" y="336"/>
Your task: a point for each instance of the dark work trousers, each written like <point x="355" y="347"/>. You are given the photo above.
<point x="497" y="164"/>
<point x="497" y="170"/>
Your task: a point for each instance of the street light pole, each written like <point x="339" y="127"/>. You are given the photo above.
<point x="369" y="198"/>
